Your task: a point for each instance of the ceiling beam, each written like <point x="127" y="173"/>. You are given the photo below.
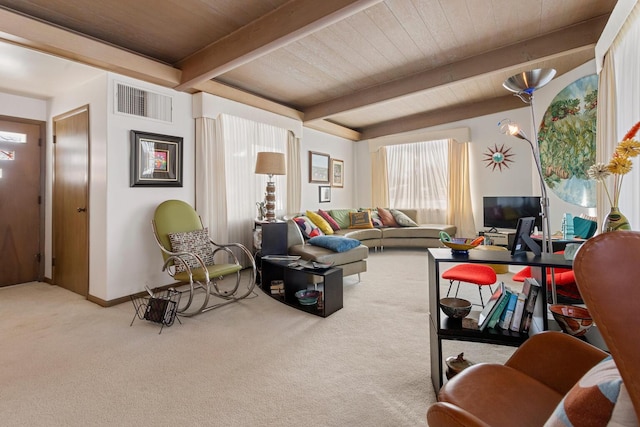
<point x="583" y="35"/>
<point x="290" y="22"/>
<point x="21" y="30"/>
<point x="442" y="116"/>
<point x="334" y="129"/>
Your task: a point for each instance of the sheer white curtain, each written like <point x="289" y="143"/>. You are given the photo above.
<point x="418" y="176"/>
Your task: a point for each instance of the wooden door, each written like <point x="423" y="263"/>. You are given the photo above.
<point x="71" y="201"/>
<point x="21" y="222"/>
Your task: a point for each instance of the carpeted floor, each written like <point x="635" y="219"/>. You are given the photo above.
<point x="68" y="362"/>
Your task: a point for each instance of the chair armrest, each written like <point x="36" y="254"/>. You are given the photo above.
<point x="443" y="414"/>
<point x="555" y="359"/>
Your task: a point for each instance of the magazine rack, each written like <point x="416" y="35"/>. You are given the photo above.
<point x="157" y="308"/>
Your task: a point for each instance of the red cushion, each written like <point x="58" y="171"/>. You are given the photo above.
<point x="472" y="273"/>
<point x="565" y="281"/>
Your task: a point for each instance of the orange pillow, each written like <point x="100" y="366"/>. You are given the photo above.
<point x="360" y="219"/>
<point x="387" y="218"/>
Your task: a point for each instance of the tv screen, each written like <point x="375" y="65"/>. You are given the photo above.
<point x="504" y="211"/>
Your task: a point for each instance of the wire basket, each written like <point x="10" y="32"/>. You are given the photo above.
<point x="160" y="307"/>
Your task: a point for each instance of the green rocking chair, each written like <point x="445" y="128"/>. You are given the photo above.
<point x="189" y="255"/>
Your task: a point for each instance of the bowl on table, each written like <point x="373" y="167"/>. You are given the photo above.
<point x="572" y="319"/>
<point x="455" y="308"/>
<point x="460" y="244"/>
<point x="307" y="296"/>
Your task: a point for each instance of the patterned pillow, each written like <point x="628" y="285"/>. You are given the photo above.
<point x="332" y="222"/>
<point x="196" y="242"/>
<point x="387" y="218"/>
<point x="320" y="222"/>
<point x="307" y="227"/>
<point x="342" y="217"/>
<point x="377" y="222"/>
<point x="360" y="220"/>
<point x="402" y="218"/>
<point x="598" y="399"/>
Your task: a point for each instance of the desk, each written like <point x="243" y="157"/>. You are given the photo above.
<point x="441" y="327"/>
<point x="558" y="243"/>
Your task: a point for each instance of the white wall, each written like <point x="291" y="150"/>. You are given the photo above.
<point x="23" y="107"/>
<point x="520" y="179"/>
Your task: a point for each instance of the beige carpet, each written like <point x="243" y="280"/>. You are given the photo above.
<point x="68" y="362"/>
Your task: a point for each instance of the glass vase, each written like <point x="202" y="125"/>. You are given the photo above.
<point x="615" y="221"/>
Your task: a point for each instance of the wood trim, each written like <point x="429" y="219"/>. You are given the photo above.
<point x="290" y="22"/>
<point x="333" y="129"/>
<point x="580" y="36"/>
<point x="27" y="32"/>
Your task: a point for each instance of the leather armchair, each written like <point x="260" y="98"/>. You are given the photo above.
<point x="528" y="387"/>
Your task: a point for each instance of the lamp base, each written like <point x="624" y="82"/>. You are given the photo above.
<point x="270" y="200"/>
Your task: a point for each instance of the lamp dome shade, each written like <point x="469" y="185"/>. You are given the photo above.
<point x="270" y="163"/>
<point x="529" y="81"/>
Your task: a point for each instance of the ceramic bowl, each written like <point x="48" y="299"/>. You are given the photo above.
<point x="462" y="244"/>
<point x="455" y="308"/>
<point x="307" y="296"/>
<point x="572" y="319"/>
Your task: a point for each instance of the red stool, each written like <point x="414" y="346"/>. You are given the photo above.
<point x="478" y="274"/>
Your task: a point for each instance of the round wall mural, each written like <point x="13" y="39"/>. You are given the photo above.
<point x="567" y="139"/>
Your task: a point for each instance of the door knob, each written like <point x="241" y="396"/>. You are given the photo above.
<point x="82" y="209"/>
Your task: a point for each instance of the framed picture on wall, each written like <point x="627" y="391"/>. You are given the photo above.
<point x="156" y="160"/>
<point x="325" y="193"/>
<point x="318" y="167"/>
<point x="337" y="173"/>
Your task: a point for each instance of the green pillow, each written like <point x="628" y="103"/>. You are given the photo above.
<point x="341" y="216"/>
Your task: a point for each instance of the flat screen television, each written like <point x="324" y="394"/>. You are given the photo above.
<point x="504" y="211"/>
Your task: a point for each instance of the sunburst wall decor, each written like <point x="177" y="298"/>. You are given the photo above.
<point x="498" y="157"/>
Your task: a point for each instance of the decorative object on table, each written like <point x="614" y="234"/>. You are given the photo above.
<point x="567" y="137"/>
<point x="308" y="296"/>
<point x="567" y="227"/>
<point x="270" y="163"/>
<point x="319" y="167"/>
<point x="523" y="85"/>
<point x="498" y="157"/>
<point x="455" y="308"/>
<point x="572" y="319"/>
<point x="262" y="210"/>
<point x="570" y="250"/>
<point x="324" y="194"/>
<point x="460" y="244"/>
<point x="156" y="160"/>
<point x="337" y="173"/>
<point x="619" y="165"/>
<point x="456" y="364"/>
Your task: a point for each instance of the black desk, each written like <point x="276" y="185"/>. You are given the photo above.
<point x="441" y="327"/>
<point x="558" y="244"/>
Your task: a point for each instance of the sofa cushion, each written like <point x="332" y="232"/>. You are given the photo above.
<point x="332" y="222"/>
<point x="308" y="228"/>
<point x="423" y="230"/>
<point x="387" y="218"/>
<point x="341" y="216"/>
<point x="334" y="243"/>
<point x="599" y="398"/>
<point x="360" y="219"/>
<point x="402" y="219"/>
<point x="196" y="242"/>
<point x="320" y="222"/>
<point x="361" y="233"/>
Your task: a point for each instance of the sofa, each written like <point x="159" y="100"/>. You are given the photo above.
<point x="405" y="232"/>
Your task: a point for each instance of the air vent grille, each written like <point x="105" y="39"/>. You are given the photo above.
<point x="143" y="103"/>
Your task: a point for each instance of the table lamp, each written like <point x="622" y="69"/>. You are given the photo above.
<point x="270" y="163"/>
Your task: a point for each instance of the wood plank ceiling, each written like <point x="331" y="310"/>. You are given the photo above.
<point x="355" y="68"/>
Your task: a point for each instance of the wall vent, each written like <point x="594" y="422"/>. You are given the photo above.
<point x="143" y="103"/>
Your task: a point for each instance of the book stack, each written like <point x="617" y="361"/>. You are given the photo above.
<point x="509" y="310"/>
<point x="277" y="288"/>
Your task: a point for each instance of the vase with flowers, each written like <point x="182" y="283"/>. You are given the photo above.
<point x="619" y="165"/>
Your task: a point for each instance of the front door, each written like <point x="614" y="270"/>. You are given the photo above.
<point x="20" y="202"/>
<point x="71" y="201"/>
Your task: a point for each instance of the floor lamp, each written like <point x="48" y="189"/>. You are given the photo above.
<point x="523" y="85"/>
<point x="270" y="163"/>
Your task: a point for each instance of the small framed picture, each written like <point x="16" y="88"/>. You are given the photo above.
<point x="324" y="193"/>
<point x="337" y="173"/>
<point x="318" y="167"/>
<point x="156" y="160"/>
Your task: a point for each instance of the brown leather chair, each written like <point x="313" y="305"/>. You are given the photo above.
<point x="528" y="387"/>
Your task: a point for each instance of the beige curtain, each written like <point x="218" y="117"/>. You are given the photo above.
<point x="459" y="210"/>
<point x="379" y="178"/>
<point x="294" y="175"/>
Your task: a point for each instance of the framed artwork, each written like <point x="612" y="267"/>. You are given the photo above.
<point x="325" y="193"/>
<point x="318" y="167"/>
<point x="156" y="160"/>
<point x="337" y="173"/>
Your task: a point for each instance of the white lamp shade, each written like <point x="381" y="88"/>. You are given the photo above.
<point x="270" y="163"/>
